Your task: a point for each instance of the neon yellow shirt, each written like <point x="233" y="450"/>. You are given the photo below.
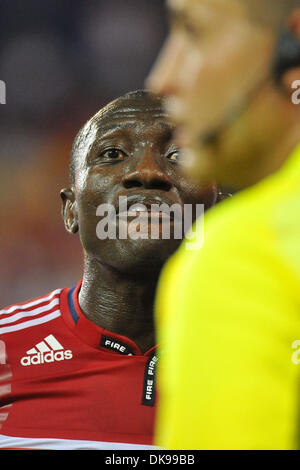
<point x="229" y="318"/>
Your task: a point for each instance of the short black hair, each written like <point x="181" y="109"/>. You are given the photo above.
<point x="79" y="143"/>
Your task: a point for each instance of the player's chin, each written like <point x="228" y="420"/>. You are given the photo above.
<point x="143" y="256"/>
<point x="148" y="247"/>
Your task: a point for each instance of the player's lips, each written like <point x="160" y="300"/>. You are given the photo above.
<point x="155" y="206"/>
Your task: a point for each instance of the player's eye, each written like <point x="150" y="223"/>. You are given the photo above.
<point x="174" y="156"/>
<point x="113" y="154"/>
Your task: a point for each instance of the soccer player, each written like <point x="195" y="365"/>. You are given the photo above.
<point x="229" y="315"/>
<point x="77" y="365"/>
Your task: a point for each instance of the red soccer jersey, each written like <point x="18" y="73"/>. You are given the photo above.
<point x="66" y="383"/>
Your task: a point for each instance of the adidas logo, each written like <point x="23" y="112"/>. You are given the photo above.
<point x="48" y="350"/>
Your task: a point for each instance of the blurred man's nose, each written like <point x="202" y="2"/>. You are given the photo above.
<point x="164" y="76"/>
<point x="148" y="173"/>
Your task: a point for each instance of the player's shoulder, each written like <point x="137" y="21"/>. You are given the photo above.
<point x="31" y="312"/>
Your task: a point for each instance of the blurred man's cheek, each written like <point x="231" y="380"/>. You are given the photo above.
<point x="221" y="76"/>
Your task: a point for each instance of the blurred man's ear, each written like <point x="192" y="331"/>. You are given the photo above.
<point x="69" y="211"/>
<point x="294" y="23"/>
<point x="289" y="48"/>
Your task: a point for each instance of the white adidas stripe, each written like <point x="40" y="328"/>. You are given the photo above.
<point x="30" y="313"/>
<point x="10" y="442"/>
<point x="30" y="304"/>
<point x="43" y="348"/>
<point x="53" y="343"/>
<point x="29" y="323"/>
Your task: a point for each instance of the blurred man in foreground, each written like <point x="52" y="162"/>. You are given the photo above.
<point x="78" y="365"/>
<point x="229" y="314"/>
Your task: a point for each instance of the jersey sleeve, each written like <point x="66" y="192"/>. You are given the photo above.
<point x="229" y="320"/>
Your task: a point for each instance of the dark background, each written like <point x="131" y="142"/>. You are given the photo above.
<point x="61" y="60"/>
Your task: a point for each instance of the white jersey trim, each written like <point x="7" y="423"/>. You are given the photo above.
<point x="29" y="323"/>
<point x="30" y="313"/>
<point x="30" y="304"/>
<point x="10" y="442"/>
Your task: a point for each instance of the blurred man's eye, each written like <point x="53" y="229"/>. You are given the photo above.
<point x="191" y="30"/>
<point x="186" y="26"/>
<point x="113" y="154"/>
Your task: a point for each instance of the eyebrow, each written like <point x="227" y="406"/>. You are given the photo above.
<point x="110" y="131"/>
<point x="107" y="131"/>
<point x="104" y="133"/>
<point x="178" y="17"/>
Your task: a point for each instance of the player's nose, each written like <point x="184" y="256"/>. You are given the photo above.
<point x="148" y="173"/>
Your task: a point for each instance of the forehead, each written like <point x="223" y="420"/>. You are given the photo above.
<point x="132" y="113"/>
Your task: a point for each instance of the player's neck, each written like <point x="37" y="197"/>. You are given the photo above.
<point x="119" y="303"/>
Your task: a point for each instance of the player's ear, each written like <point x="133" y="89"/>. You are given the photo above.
<point x="69" y="211"/>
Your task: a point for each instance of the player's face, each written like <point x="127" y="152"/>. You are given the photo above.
<point x="131" y="152"/>
<point x="213" y="57"/>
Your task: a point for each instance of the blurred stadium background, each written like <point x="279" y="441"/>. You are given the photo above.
<point x="61" y="61"/>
